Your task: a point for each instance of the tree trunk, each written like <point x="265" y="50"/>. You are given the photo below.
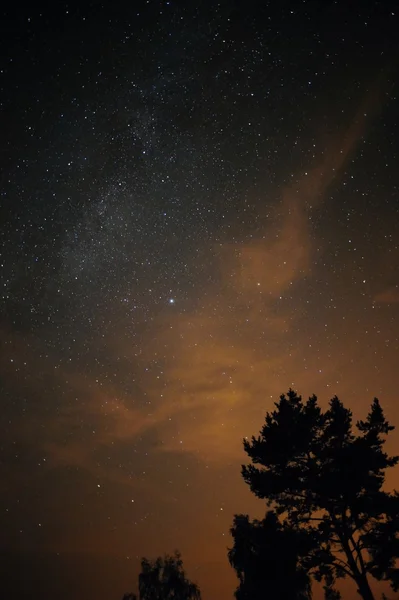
<point x="360" y="576"/>
<point x="364" y="588"/>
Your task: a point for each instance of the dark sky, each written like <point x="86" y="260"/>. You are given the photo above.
<point x="199" y="209"/>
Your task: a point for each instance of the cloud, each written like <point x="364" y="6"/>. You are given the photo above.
<point x="221" y="363"/>
<point x="388" y="296"/>
<point x="225" y="361"/>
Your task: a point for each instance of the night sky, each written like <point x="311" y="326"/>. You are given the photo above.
<point x="199" y="209"/>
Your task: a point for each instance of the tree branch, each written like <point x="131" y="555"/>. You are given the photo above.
<point x="359" y="557"/>
<point x="344" y="566"/>
<point x="351" y="562"/>
<point x="306" y="519"/>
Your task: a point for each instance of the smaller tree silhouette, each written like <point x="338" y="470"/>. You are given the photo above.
<point x="165" y="579"/>
<point x="265" y="557"/>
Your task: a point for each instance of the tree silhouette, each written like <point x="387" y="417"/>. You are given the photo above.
<point x="265" y="558"/>
<point x="326" y="481"/>
<point x="164" y="579"/>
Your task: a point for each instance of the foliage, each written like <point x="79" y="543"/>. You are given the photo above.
<point x="325" y="480"/>
<point x="164" y="579"/>
<point x="265" y="558"/>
